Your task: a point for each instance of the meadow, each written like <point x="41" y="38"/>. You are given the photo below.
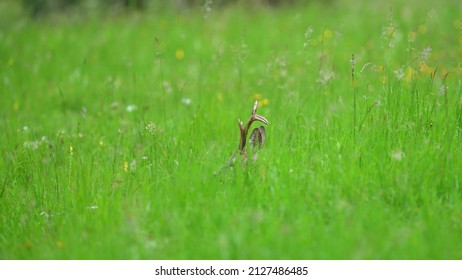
<point x="113" y="125"/>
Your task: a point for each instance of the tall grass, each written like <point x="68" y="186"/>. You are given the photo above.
<point x="112" y="129"/>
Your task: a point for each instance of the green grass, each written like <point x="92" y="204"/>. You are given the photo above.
<point x="369" y="169"/>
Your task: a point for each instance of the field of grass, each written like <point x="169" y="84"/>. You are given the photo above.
<point x="112" y="128"/>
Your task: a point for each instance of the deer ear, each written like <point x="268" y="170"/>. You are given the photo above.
<point x="258" y="136"/>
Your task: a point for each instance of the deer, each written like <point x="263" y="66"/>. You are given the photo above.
<point x="256" y="139"/>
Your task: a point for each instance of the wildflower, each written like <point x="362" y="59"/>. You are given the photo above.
<point x="83" y="111"/>
<point x="425" y="54"/>
<point x="207" y="7"/>
<point x="101" y="143"/>
<point x="45" y="215"/>
<point x="257" y="96"/>
<point x="167" y="87"/>
<point x="33" y="145"/>
<point x="390" y="34"/>
<point x="133" y="165"/>
<point x="130" y="108"/>
<point x="327" y="34"/>
<point x="422" y="29"/>
<point x="264" y="102"/>
<point x="16" y="105"/>
<point x="125" y="166"/>
<point x="425" y="69"/>
<point x="25" y="128"/>
<point x="442" y="90"/>
<point x="44" y="140"/>
<point x="411" y="36"/>
<point x="179" y="54"/>
<point x="92" y="207"/>
<point x="60" y="134"/>
<point x="71" y="150"/>
<point x="353" y="61"/>
<point x="409" y="74"/>
<point x="384" y="79"/>
<point x="186" y="101"/>
<point x="151" y="128"/>
<point x="399" y="74"/>
<point x="432" y="13"/>
<point x="397" y="155"/>
<point x="379" y="68"/>
<point x="388" y="31"/>
<point x="308" y="33"/>
<point x="325" y="77"/>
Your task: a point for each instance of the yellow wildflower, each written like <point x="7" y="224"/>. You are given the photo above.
<point x="425" y="69"/>
<point x="264" y="102"/>
<point x="16" y="105"/>
<point x="390" y="30"/>
<point x="411" y="36"/>
<point x="125" y="166"/>
<point x="409" y="74"/>
<point x="179" y="54"/>
<point x="327" y="34"/>
<point x="380" y="68"/>
<point x="71" y="150"/>
<point x="257" y="96"/>
<point x="423" y="29"/>
<point x="384" y="79"/>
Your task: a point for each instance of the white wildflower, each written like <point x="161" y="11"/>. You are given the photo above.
<point x="353" y="61"/>
<point x="167" y="87"/>
<point x="397" y="155"/>
<point x="442" y="90"/>
<point x="308" y="33"/>
<point x="399" y="74"/>
<point x="425" y="54"/>
<point x="130" y="108"/>
<point x="432" y="13"/>
<point x="325" y="77"/>
<point x="151" y="128"/>
<point x="33" y="145"/>
<point x="207" y="8"/>
<point x="186" y="101"/>
<point x="83" y="111"/>
<point x="43" y="213"/>
<point x="133" y="164"/>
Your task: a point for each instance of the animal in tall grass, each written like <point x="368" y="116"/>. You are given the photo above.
<point x="256" y="139"/>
